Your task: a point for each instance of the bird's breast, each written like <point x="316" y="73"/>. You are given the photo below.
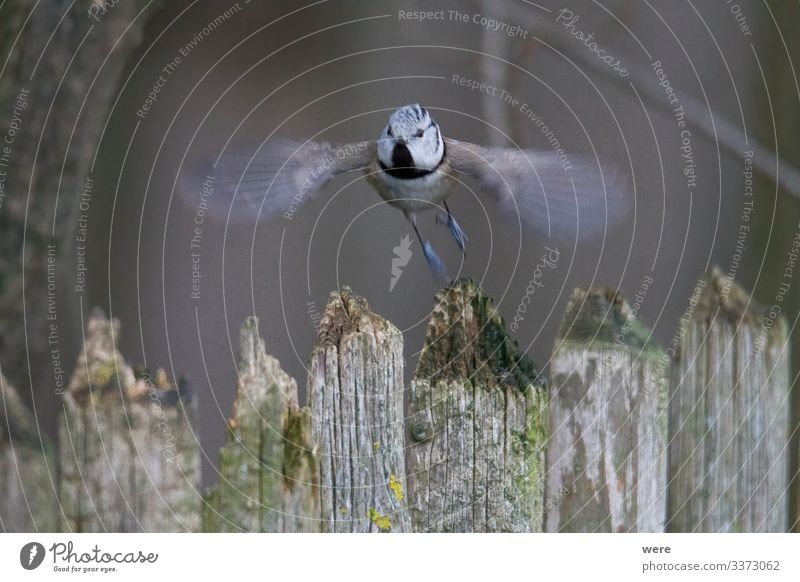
<point x="412" y="194"/>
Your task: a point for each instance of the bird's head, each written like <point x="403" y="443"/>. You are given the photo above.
<point x="411" y="139"/>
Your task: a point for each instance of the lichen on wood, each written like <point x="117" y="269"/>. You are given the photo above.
<point x="606" y="456"/>
<point x="268" y="472"/>
<point x="729" y="415"/>
<point x="477" y="425"/>
<point x="355" y="389"/>
<point x="129" y="456"/>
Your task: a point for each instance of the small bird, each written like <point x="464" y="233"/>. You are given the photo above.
<point x="414" y="168"/>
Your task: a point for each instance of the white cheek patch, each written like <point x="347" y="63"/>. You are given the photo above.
<point x="427" y="152"/>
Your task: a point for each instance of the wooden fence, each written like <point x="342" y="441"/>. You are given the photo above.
<point x="625" y="435"/>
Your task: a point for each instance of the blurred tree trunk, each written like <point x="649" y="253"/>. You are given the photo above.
<point x="777" y="216"/>
<point x="58" y="78"/>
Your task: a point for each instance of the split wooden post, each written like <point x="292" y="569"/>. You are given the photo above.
<point x="129" y="457"/>
<point x="606" y="455"/>
<point x="28" y="479"/>
<point x="729" y="415"/>
<point x="268" y="472"/>
<point x="473" y="455"/>
<point x="477" y="423"/>
<point x="355" y="389"/>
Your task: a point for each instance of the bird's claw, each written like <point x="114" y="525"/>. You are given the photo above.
<point x="435" y="263"/>
<point x="455" y="229"/>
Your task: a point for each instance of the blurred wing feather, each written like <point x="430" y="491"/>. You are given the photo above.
<point x="277" y="177"/>
<point x="556" y="201"/>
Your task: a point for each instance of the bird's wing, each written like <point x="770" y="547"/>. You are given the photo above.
<point x="581" y="199"/>
<point x="273" y="178"/>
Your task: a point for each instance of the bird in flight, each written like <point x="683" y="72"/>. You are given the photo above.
<point x="415" y="168"/>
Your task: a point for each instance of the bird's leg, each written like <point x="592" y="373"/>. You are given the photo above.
<point x="455" y="228"/>
<point x="434" y="262"/>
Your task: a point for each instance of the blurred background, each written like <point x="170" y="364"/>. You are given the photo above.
<point x="696" y="101"/>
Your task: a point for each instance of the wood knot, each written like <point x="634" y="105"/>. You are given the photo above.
<point x="420" y="430"/>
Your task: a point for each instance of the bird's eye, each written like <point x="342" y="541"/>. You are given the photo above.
<point x="420" y="133"/>
<point x="389" y="132"/>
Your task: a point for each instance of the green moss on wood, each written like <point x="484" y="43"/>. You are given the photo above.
<point x="601" y="318"/>
<point x="268" y="470"/>
<point x="299" y="462"/>
<point x="467" y="339"/>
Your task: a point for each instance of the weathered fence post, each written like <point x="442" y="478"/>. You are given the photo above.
<point x="355" y="389"/>
<point x="473" y="454"/>
<point x="129" y="457"/>
<point x="606" y="456"/>
<point x="268" y="472"/>
<point x="476" y="432"/>
<point x="729" y="415"/>
<point x="28" y="480"/>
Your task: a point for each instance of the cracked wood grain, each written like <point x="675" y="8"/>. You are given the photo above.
<point x="606" y="457"/>
<point x="355" y="389"/>
<point x="476" y="430"/>
<point x="730" y="415"/>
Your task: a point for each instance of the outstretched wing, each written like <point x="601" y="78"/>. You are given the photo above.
<point x="273" y="178"/>
<point x="557" y="195"/>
